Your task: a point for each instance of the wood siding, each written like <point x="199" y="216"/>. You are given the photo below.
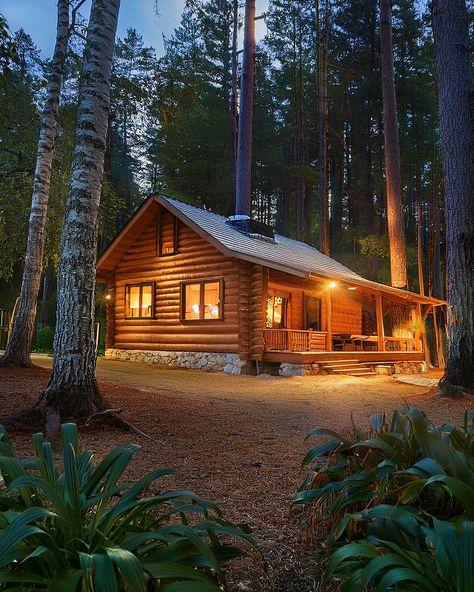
<point x="346" y="304"/>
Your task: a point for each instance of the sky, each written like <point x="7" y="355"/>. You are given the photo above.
<point x="38" y="18"/>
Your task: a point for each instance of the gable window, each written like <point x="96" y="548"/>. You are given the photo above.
<point x="167" y="233"/>
<point x="202" y="301"/>
<point x="139" y="301"/>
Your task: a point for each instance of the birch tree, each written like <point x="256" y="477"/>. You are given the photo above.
<point x="396" y="226"/>
<point x="456" y="109"/>
<point x="72" y="389"/>
<point x="244" y="146"/>
<point x="19" y="348"/>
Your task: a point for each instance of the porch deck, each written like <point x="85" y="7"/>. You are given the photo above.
<point x="335" y="356"/>
<point x="305" y="347"/>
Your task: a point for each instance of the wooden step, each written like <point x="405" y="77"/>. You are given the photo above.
<point x="349" y="369"/>
<point x="342" y="363"/>
<point x="368" y="373"/>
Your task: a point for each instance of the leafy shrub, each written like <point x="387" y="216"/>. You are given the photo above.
<point x="406" y="488"/>
<point x="44" y="338"/>
<point x="82" y="529"/>
<point x="407" y="550"/>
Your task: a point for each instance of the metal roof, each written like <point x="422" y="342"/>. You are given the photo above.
<point x="285" y="254"/>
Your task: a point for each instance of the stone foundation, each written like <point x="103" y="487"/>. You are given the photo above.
<point x="300" y="369"/>
<point x="210" y="362"/>
<point x="410" y="367"/>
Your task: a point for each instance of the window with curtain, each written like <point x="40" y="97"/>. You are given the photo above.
<point x="202" y="301"/>
<point x="139" y="301"/>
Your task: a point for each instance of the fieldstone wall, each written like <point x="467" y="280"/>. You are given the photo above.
<point x="410" y="367"/>
<point x="228" y="363"/>
<point x="300" y="369"/>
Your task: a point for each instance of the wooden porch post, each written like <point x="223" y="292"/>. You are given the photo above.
<point x="328" y="320"/>
<point x="419" y="327"/>
<point x="380" y="329"/>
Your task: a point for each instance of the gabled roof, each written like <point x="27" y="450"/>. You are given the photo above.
<point x="285" y="254"/>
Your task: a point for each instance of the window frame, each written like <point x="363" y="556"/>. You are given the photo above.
<point x="159" y="235"/>
<point x="201" y="284"/>
<point x="153" y="298"/>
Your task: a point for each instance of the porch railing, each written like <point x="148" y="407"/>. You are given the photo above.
<point x="402" y="344"/>
<point x="306" y="341"/>
<point x="294" y="340"/>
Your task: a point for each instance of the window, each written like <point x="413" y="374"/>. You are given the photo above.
<point x="277" y="310"/>
<point x="167" y="232"/>
<point x="139" y="301"/>
<point x="202" y="301"/>
<point x="312" y="312"/>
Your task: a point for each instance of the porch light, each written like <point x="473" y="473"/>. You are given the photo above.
<point x="332" y="284"/>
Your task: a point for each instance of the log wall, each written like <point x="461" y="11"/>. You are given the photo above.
<point x="196" y="260"/>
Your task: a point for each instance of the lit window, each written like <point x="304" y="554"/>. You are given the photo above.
<point x="202" y="300"/>
<point x="167" y="232"/>
<point x="139" y="301"/>
<point x="277" y="310"/>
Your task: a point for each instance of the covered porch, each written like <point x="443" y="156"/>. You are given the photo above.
<point x="322" y="320"/>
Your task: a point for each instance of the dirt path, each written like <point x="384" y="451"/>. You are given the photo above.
<point x="237" y="440"/>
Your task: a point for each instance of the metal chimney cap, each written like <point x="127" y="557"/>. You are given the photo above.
<point x="238" y="217"/>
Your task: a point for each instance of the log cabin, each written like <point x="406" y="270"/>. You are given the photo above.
<point x="190" y="288"/>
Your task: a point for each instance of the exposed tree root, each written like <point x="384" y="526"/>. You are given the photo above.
<point x="42" y="418"/>
<point x="113" y="416"/>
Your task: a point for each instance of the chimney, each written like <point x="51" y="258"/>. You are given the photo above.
<point x="252" y="228"/>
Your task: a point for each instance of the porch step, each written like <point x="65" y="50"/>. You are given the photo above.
<point x="354" y="366"/>
<point x="342" y="364"/>
<point x="349" y="368"/>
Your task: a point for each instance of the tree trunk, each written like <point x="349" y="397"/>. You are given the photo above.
<point x="72" y="390"/>
<point x="244" y="147"/>
<point x="396" y="226"/>
<point x="323" y="41"/>
<point x="18" y="350"/>
<point x="456" y="107"/>
<point x="300" y="150"/>
<point x="233" y="113"/>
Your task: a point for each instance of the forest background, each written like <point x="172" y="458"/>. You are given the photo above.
<point x="171" y="131"/>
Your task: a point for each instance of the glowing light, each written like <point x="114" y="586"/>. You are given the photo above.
<point x="352" y="288"/>
<point x="108" y="296"/>
<point x="332" y="284"/>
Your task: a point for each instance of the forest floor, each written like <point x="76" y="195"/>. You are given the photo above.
<point x="237" y="440"/>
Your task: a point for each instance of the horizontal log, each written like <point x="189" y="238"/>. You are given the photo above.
<point x="177" y="330"/>
<point x="181" y="275"/>
<point x="166" y="263"/>
<point x="195" y="268"/>
<point x="219" y="349"/>
<point x="172" y="318"/>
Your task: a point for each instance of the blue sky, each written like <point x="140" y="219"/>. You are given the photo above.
<point x="38" y="18"/>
